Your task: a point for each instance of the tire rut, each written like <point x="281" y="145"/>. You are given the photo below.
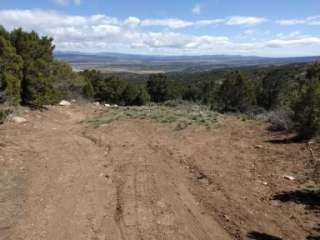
<point x="116" y="182"/>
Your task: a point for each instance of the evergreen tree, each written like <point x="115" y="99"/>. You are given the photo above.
<point x="37" y="56"/>
<point x="136" y="95"/>
<point x="10" y="72"/>
<point x="306" y="105"/>
<point x="159" y="88"/>
<point x="88" y="90"/>
<point x="143" y="97"/>
<point x="237" y="94"/>
<point x="67" y="83"/>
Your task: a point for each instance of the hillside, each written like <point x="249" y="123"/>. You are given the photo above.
<point x="63" y="178"/>
<point x="114" y="62"/>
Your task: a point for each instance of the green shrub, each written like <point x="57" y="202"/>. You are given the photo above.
<point x="67" y="83"/>
<point x="306" y="105"/>
<point x="271" y="89"/>
<point x="280" y="120"/>
<point x="37" y="55"/>
<point x="142" y="98"/>
<point x="4" y="114"/>
<point x="88" y="90"/>
<point x="182" y="115"/>
<point x="110" y="89"/>
<point x="10" y="73"/>
<point x="160" y="88"/>
<point x="236" y="94"/>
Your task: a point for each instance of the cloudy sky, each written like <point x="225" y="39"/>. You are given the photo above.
<point x="172" y="27"/>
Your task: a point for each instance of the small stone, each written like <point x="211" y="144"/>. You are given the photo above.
<point x="19" y="120"/>
<point x="226" y="217"/>
<point x="64" y="103"/>
<point x="289" y="177"/>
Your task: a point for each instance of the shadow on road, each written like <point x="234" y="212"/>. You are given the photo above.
<point x="262" y="236"/>
<point x="289" y="140"/>
<point x="315" y="236"/>
<point x="311" y="199"/>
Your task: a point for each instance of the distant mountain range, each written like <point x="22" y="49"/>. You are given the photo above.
<point x="117" y="62"/>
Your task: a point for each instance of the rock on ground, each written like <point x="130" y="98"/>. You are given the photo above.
<point x="19" y="119"/>
<point x="64" y="103"/>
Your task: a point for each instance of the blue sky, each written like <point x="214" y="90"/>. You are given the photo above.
<point x="275" y="28"/>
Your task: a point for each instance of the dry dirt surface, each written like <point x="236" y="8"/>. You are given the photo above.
<point x="62" y="179"/>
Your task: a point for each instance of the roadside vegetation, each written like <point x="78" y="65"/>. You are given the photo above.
<point x="290" y="94"/>
<point x="182" y="114"/>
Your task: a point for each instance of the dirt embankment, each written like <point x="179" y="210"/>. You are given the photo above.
<point x="62" y="179"/>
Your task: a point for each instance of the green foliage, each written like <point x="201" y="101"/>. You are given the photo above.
<point x="182" y="115"/>
<point x="272" y="86"/>
<point x="10" y="73"/>
<point x="113" y="89"/>
<point x="191" y="93"/>
<point x="143" y="97"/>
<point x="110" y="89"/>
<point x="4" y="33"/>
<point x="66" y="83"/>
<point x="88" y="90"/>
<point x="4" y="113"/>
<point x="130" y="94"/>
<point x="236" y="94"/>
<point x="135" y="95"/>
<point x="306" y="105"/>
<point x="37" y="55"/>
<point x="160" y="88"/>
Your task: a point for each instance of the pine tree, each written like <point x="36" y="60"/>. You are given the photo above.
<point x="10" y="72"/>
<point x="37" y="56"/>
<point x="237" y="94"/>
<point x="306" y="106"/>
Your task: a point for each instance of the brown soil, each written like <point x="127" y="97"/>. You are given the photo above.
<point x="61" y="179"/>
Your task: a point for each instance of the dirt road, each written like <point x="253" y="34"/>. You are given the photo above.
<point x="62" y="180"/>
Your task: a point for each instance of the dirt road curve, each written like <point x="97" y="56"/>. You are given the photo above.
<point x="64" y="180"/>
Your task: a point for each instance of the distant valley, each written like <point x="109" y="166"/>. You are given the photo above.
<point x="144" y="64"/>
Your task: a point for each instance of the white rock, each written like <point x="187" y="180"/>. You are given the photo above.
<point x="96" y="103"/>
<point x="115" y="105"/>
<point x="258" y="146"/>
<point x="289" y="177"/>
<point x="64" y="103"/>
<point x="19" y="119"/>
<point x="107" y="105"/>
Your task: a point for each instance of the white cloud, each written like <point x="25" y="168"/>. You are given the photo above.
<point x="103" y="33"/>
<point x="314" y="20"/>
<point x="239" y="20"/>
<point x="175" y="23"/>
<point x="203" y="23"/>
<point x="132" y="21"/>
<point x="169" y="22"/>
<point x="196" y="10"/>
<point x="66" y="2"/>
<point x="280" y="43"/>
